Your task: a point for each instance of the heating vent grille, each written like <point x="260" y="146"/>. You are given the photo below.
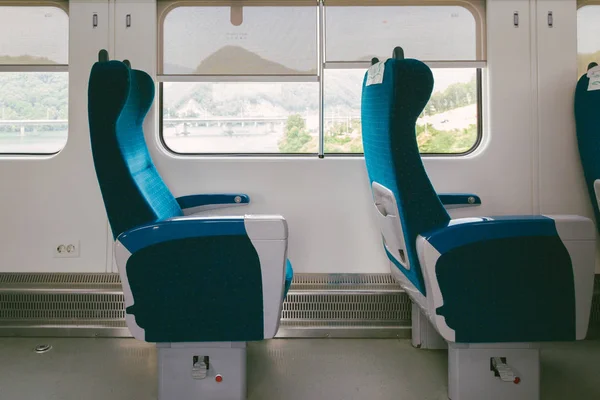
<point x="65" y="281"/>
<point x="344" y="282"/>
<point x="61" y="306"/>
<point x="92" y="304"/>
<point x="333" y="306"/>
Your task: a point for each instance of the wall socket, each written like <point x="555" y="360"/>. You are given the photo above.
<point x="67" y="250"/>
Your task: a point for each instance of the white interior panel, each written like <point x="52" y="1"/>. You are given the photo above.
<point x="561" y="187"/>
<point x="45" y="201"/>
<point x="524" y="165"/>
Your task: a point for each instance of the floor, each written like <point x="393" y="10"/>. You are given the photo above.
<point x="291" y="369"/>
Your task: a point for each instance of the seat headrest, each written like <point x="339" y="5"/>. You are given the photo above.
<point x="406" y="83"/>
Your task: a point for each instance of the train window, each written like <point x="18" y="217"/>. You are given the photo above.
<point x="246" y="80"/>
<point x="588" y="37"/>
<point x="361" y="33"/>
<point x="33" y="79"/>
<point x="240" y="41"/>
<point x="449" y="123"/>
<point x="355" y="34"/>
<point x="240" y="117"/>
<point x="250" y="79"/>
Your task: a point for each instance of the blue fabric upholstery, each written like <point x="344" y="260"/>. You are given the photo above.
<point x="191" y="279"/>
<point x="499" y="277"/>
<point x="289" y="276"/>
<point x="389" y="115"/>
<point x="133" y="192"/>
<point x="587" y="110"/>
<point x="505" y="279"/>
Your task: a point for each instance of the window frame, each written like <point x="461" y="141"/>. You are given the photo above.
<point x="15" y="68"/>
<point x="584" y="3"/>
<point x="475" y="7"/>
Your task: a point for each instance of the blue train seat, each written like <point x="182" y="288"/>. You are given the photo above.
<point x="491" y="287"/>
<point x="587" y="109"/>
<point x="199" y="286"/>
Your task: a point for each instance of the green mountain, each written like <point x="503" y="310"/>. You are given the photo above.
<point x="231" y="60"/>
<point x="25" y="60"/>
<point x="34" y="95"/>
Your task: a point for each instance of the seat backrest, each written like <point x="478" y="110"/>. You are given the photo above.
<point x="587" y="112"/>
<point x="395" y="92"/>
<point x="133" y="192"/>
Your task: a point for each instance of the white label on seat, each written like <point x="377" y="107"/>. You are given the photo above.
<point x="375" y="74"/>
<point x="594" y="75"/>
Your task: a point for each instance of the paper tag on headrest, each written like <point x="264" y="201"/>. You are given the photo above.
<point x="594" y="75"/>
<point x="375" y="74"/>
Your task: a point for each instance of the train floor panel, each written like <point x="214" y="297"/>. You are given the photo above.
<point x="278" y="369"/>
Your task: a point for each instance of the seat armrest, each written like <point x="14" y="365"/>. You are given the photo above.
<point x="459" y="200"/>
<point x="180" y="228"/>
<point x="201" y="202"/>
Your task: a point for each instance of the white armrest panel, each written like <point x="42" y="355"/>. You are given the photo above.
<point x="269" y="236"/>
<point x="579" y="237"/>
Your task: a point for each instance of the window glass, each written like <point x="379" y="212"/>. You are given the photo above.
<point x="424" y="32"/>
<point x="588" y="37"/>
<point x="33" y="112"/>
<point x="235" y="114"/>
<point x="240" y="41"/>
<point x="448" y="124"/>
<point x="34" y="100"/>
<point x="242" y="118"/>
<point x="33" y="35"/>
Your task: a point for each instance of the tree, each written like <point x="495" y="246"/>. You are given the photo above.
<point x="295" y="135"/>
<point x="33" y="96"/>
<point x="455" y="96"/>
<point x="431" y="140"/>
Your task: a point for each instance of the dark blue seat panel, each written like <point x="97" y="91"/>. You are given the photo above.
<point x="587" y="109"/>
<point x="196" y="279"/>
<point x="389" y="113"/>
<point x="504" y="279"/>
<point x="190" y="285"/>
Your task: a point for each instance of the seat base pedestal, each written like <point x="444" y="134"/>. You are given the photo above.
<point x="471" y="375"/>
<point x="208" y="371"/>
<point x="424" y="335"/>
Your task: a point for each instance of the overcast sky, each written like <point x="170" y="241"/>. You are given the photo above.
<point x="287" y="35"/>
<point x="35" y="31"/>
<point x="588" y="29"/>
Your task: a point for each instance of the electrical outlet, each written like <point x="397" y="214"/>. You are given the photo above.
<point x="67" y="250"/>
